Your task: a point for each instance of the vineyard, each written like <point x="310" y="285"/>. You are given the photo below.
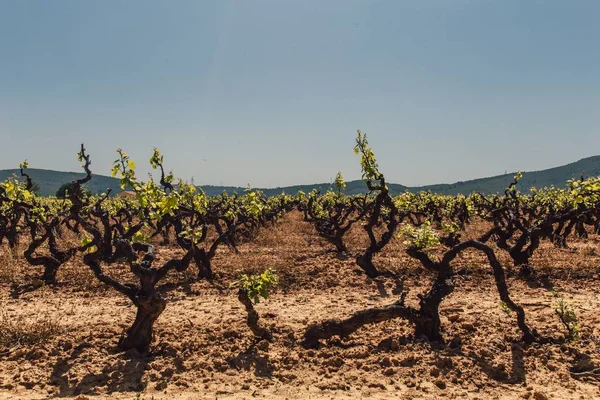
<point x="170" y="292"/>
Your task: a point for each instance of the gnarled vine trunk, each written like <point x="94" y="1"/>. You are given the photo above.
<point x="139" y="335"/>
<point x="343" y="328"/>
<point x="252" y="319"/>
<point x="365" y="261"/>
<point x="383" y="199"/>
<point x="203" y="263"/>
<point x="338" y="242"/>
<point x="428" y="320"/>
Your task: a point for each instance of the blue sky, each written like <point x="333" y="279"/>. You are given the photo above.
<point x="270" y="93"/>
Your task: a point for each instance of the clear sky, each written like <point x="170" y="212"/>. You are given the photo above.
<point x="270" y="93"/>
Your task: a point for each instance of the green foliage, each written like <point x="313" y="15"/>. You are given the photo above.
<point x="370" y="169"/>
<point x="339" y="183"/>
<point x="85" y="242"/>
<point x="504" y="307"/>
<point x="518" y="176"/>
<point x="450" y="227"/>
<point x="566" y="314"/>
<point x="64" y="190"/>
<point x="150" y="197"/>
<point x="194" y="235"/>
<point x="141" y="237"/>
<point x="251" y="202"/>
<point x="126" y="167"/>
<point x="585" y="192"/>
<point x="16" y="190"/>
<point x="258" y="285"/>
<point x="156" y="161"/>
<point x="421" y="238"/>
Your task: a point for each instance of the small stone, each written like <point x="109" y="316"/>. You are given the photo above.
<point x="539" y="396"/>
<point x="335" y="362"/>
<point x="453" y="317"/>
<point x="389" y="344"/>
<point x="37" y="283"/>
<point x="467" y="326"/>
<point x="384" y="345"/>
<point x="408" y="361"/>
<point x="440" y="383"/>
<point x="485" y="353"/>
<point x="389" y="372"/>
<point x="385" y="362"/>
<point x="456" y="342"/>
<point x="162" y="385"/>
<point x="263" y="345"/>
<point x="564" y="348"/>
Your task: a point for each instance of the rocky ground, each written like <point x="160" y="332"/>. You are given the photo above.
<point x="61" y="341"/>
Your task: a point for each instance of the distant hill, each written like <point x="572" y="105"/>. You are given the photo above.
<point x="49" y="181"/>
<point x="557" y="177"/>
<point x="352" y="187"/>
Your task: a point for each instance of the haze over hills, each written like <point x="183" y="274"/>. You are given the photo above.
<point x="49" y="181"/>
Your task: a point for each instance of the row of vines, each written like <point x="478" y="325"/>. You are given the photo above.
<point x="173" y="214"/>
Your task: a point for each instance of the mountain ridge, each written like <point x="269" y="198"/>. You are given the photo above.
<point x="50" y="180"/>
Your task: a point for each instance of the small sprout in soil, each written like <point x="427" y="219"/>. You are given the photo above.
<point x="504" y="307"/>
<point x="567" y="315"/>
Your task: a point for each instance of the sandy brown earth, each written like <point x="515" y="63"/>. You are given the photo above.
<point x="61" y="341"/>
